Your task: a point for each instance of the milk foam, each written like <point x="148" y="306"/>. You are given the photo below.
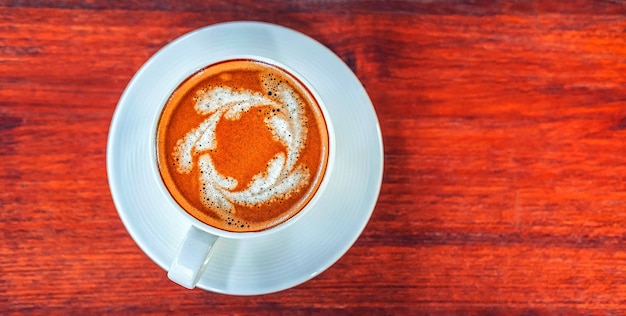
<point x="287" y="123"/>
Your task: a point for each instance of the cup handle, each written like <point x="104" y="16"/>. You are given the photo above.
<point x="192" y="257"/>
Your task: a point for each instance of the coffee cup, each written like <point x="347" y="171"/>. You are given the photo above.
<point x="242" y="147"/>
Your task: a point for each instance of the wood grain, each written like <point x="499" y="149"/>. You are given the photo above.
<point x="504" y="126"/>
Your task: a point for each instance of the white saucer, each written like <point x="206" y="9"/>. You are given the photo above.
<point x="277" y="261"/>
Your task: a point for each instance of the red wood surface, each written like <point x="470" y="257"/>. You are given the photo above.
<point x="504" y="126"/>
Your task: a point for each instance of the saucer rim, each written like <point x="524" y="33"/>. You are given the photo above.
<point x="123" y="210"/>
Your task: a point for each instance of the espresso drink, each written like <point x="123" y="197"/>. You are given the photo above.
<point x="242" y="145"/>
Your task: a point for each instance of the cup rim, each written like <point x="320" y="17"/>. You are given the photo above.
<point x="280" y="226"/>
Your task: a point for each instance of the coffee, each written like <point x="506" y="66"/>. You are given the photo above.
<point x="242" y="145"/>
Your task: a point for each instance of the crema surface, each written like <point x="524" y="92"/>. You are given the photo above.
<point x="242" y="145"/>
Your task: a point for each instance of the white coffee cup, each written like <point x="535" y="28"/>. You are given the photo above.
<point x="195" y="251"/>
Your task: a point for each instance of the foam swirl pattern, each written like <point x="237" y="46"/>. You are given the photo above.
<point x="276" y="261"/>
<point x="282" y="176"/>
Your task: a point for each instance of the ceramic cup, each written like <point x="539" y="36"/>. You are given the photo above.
<point x="194" y="253"/>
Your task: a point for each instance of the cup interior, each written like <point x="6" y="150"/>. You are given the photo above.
<point x="179" y="211"/>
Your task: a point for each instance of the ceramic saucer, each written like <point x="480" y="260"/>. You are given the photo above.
<point x="277" y="261"/>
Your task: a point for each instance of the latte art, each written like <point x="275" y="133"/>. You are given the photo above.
<point x="282" y="176"/>
<point x="242" y="145"/>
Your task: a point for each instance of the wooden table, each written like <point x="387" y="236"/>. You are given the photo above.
<point x="505" y="171"/>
